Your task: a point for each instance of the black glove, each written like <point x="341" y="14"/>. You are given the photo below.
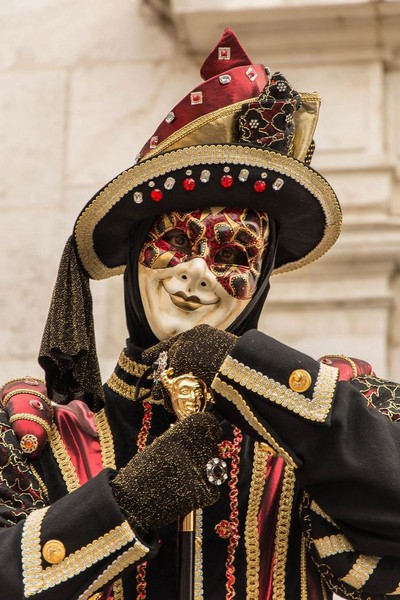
<point x="201" y="351"/>
<point x="168" y="478"/>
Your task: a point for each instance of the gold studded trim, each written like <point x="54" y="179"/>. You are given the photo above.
<point x="315" y="409"/>
<point x="332" y="544"/>
<point x="318" y="510"/>
<point x="361" y="571"/>
<point x="42" y="485"/>
<point x="228" y="392"/>
<point x="261" y="456"/>
<point x="106" y="439"/>
<point x="282" y="534"/>
<point x="198" y="558"/>
<point x="303" y="570"/>
<point x="208" y="154"/>
<point x="64" y="462"/>
<point x="131" y="556"/>
<point x="37" y="579"/>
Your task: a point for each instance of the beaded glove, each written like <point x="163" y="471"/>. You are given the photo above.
<point x="168" y="478"/>
<point x="201" y="351"/>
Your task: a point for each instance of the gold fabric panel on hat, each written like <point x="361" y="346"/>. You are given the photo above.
<point x="305" y="120"/>
<point x="361" y="571"/>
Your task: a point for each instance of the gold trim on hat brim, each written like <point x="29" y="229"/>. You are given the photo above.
<point x="226" y="154"/>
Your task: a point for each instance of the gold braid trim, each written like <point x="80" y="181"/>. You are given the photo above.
<point x="318" y="510"/>
<point x="37" y="579"/>
<point x="303" y="570"/>
<point x="282" y="534"/>
<point x="106" y="439"/>
<point x="29" y="392"/>
<point x="64" y="462"/>
<point x="118" y="590"/>
<point x="361" y="571"/>
<point x="33" y="418"/>
<point x="198" y="558"/>
<point x="42" y="485"/>
<point x="131" y="556"/>
<point x="315" y="409"/>
<point x="131" y="366"/>
<point x="332" y="544"/>
<point x="347" y="359"/>
<point x="228" y="392"/>
<point x="261" y="456"/>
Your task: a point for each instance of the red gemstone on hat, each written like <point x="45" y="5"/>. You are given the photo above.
<point x="189" y="184"/>
<point x="226" y="181"/>
<point x="36" y="404"/>
<point x="259" y="185"/>
<point x="156" y="195"/>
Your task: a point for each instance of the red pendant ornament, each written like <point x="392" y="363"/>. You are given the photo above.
<point x="189" y="184"/>
<point x="259" y="185"/>
<point x="226" y="181"/>
<point x="156" y="195"/>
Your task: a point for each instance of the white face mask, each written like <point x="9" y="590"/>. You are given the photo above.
<point x="177" y="298"/>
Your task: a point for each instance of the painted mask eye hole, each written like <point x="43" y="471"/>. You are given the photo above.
<point x="231" y="255"/>
<point x="178" y="240"/>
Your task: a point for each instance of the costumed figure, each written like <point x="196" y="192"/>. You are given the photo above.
<point x="222" y="195"/>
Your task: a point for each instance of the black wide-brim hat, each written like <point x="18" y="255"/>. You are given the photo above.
<point x="241" y="139"/>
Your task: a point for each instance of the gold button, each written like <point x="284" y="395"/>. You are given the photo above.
<point x="53" y="552"/>
<point x="300" y="380"/>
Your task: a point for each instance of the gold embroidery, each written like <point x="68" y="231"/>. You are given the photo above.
<point x="314" y="409"/>
<point x="131" y="366"/>
<point x="42" y="485"/>
<point x="118" y="590"/>
<point x="282" y="534"/>
<point x="64" y="462"/>
<point x="233" y="396"/>
<point x="198" y="558"/>
<point x="303" y="570"/>
<point x="332" y="544"/>
<point x="361" y="571"/>
<point x="261" y="456"/>
<point x="134" y="554"/>
<point x="318" y="510"/>
<point x="207" y="154"/>
<point x="33" y="418"/>
<point x="106" y="439"/>
<point x="37" y="579"/>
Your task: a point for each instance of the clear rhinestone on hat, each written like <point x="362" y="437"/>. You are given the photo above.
<point x="138" y="197"/>
<point x="170" y="118"/>
<point x="151" y="184"/>
<point x="244" y="175"/>
<point x="264" y="175"/>
<point x="225" y="79"/>
<point x="227" y="169"/>
<point x="169" y="183"/>
<point x="205" y="176"/>
<point x="278" y="183"/>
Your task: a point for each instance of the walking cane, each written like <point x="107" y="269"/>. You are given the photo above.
<point x="188" y="395"/>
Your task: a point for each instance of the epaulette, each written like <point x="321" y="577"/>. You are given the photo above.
<point x="29" y="411"/>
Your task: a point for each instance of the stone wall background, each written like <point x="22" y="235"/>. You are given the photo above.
<point x="84" y="84"/>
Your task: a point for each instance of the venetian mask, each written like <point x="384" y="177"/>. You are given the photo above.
<point x="201" y="267"/>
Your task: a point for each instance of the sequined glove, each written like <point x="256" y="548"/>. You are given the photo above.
<point x="168" y="478"/>
<point x="201" y="351"/>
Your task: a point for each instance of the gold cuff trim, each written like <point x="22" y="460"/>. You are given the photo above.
<point x="361" y="571"/>
<point x="332" y="544"/>
<point x="126" y="390"/>
<point x="37" y="579"/>
<point x="228" y="392"/>
<point x="315" y="409"/>
<point x="129" y="557"/>
<point x="131" y="366"/>
<point x="261" y="456"/>
<point x="33" y="418"/>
